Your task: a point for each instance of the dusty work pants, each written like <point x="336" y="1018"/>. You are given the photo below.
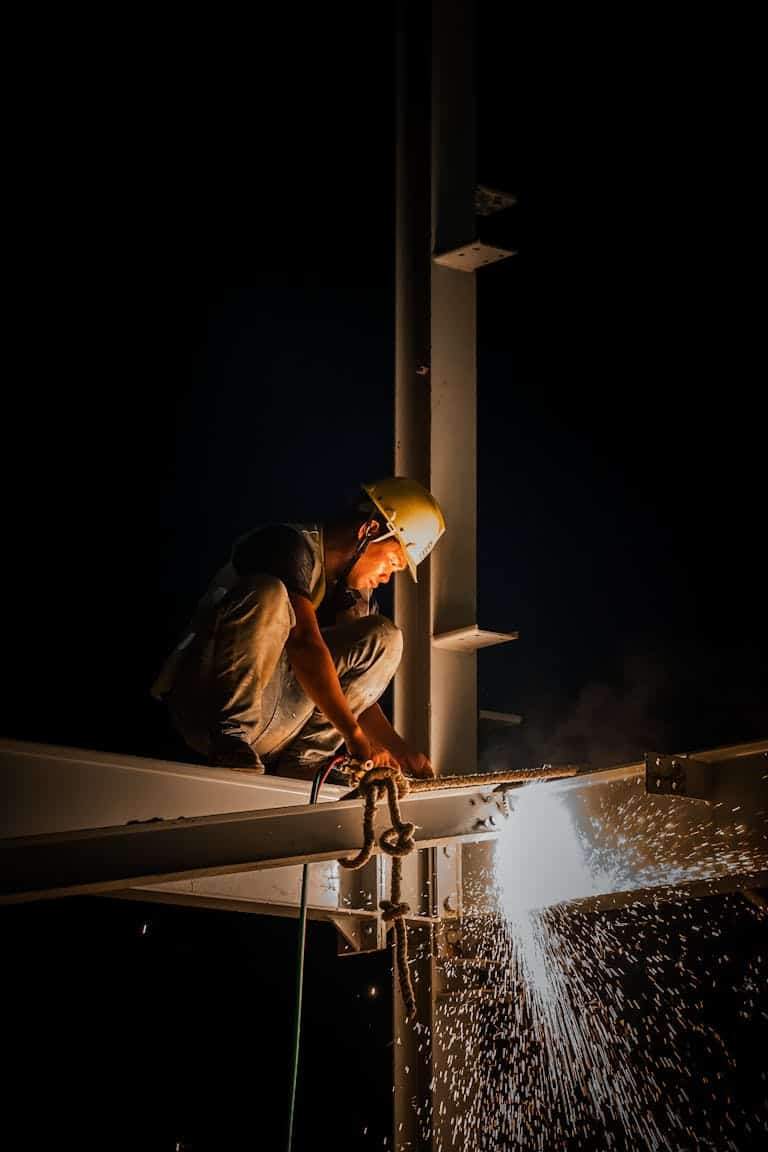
<point x="235" y="678"/>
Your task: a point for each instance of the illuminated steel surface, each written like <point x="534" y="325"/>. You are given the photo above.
<point x="104" y="859"/>
<point x="600" y="836"/>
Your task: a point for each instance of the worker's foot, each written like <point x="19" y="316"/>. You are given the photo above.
<point x="229" y="751"/>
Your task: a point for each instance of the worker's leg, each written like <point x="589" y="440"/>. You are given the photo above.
<point x="300" y="738"/>
<point x="226" y="689"/>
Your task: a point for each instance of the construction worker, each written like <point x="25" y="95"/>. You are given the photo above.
<point x="287" y="655"/>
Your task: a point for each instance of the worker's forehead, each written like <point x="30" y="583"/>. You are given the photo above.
<point x="391" y="543"/>
<point x="399" y="549"/>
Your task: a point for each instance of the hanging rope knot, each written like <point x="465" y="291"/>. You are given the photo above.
<point x="393" y="911"/>
<point x="397" y="842"/>
<point x="384" y="775"/>
<point x="375" y="783"/>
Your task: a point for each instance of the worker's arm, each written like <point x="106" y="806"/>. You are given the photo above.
<point x="380" y="732"/>
<point x="316" y="673"/>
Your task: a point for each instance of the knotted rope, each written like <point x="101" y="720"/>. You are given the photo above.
<point x="397" y="842"/>
<point x="372" y="783"/>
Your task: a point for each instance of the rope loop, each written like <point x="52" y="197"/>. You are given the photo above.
<point x="373" y="783"/>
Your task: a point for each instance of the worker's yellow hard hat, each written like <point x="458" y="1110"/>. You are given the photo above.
<point x="411" y="513"/>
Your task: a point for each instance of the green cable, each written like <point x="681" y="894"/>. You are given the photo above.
<point x="318" y="780"/>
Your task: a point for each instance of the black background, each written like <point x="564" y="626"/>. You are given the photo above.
<point x="155" y="172"/>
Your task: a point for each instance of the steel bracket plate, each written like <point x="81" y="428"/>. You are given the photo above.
<point x="742" y="779"/>
<point x="472" y="256"/>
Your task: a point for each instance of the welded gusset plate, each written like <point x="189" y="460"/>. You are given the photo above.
<point x="105" y="859"/>
<point x="472" y="256"/>
<point x="742" y="779"/>
<point x="359" y="934"/>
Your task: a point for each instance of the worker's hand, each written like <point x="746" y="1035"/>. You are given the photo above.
<point x="416" y="764"/>
<point x="358" y="745"/>
<point x="382" y="757"/>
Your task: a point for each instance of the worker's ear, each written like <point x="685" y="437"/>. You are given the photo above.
<point x="372" y="527"/>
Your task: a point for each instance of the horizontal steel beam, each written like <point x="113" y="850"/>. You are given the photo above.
<point x="160" y="851"/>
<point x="735" y="882"/>
<point x="108" y="859"/>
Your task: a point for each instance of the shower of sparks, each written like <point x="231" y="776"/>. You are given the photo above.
<point x="560" y="1028"/>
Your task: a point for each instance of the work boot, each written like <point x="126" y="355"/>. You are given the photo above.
<point x="228" y="751"/>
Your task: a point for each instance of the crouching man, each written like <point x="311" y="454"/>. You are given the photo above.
<point x="287" y="655"/>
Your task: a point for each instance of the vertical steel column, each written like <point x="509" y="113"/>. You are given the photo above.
<point x="454" y="483"/>
<point x="453" y="435"/>
<point x="454" y="386"/>
<point x="412" y="339"/>
<point x="412" y="1051"/>
<point x="435" y="421"/>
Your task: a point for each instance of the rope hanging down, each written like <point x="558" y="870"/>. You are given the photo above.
<point x="396" y="842"/>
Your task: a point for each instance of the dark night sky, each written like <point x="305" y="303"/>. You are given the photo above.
<point x="621" y="480"/>
<point x="621" y="372"/>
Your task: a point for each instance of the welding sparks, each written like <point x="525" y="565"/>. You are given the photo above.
<point x="544" y="862"/>
<point x="561" y="1028"/>
<point x="539" y="869"/>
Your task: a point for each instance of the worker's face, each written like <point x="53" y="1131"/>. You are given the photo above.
<point x="377" y="564"/>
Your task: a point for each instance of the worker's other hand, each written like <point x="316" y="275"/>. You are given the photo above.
<point x="416" y="764"/>
<point x="380" y="758"/>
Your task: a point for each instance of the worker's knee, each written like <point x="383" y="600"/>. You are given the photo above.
<point x="270" y="589"/>
<point x="386" y="636"/>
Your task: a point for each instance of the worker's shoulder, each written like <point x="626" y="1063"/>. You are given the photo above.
<point x="272" y="539"/>
<point x="275" y="530"/>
